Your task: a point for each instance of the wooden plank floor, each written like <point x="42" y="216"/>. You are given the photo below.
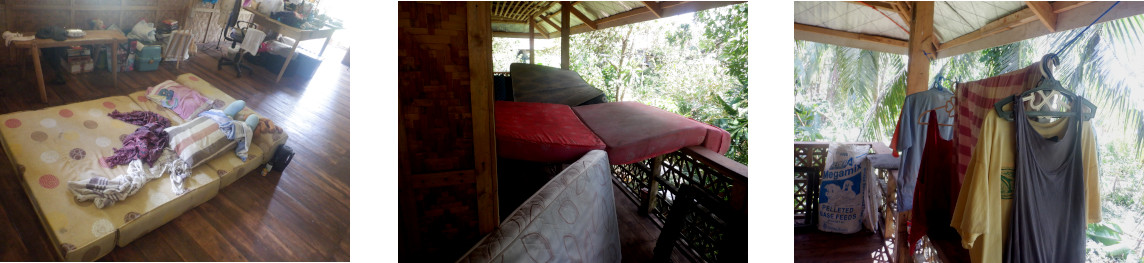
<point x="811" y="245"/>
<point x="300" y="215"/>
<point x="638" y="232"/>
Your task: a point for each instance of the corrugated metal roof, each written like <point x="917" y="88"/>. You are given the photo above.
<point x="952" y="19"/>
<point x="513" y="16"/>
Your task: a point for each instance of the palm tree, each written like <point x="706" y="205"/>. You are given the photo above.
<point x="865" y="89"/>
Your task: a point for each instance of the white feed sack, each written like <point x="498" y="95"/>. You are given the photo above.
<point x="841" y="193"/>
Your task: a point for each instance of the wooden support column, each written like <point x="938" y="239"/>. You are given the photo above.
<point x="652" y="185"/>
<point x="531" y="41"/>
<point x="920" y="32"/>
<point x="565" y="32"/>
<point x="484" y="136"/>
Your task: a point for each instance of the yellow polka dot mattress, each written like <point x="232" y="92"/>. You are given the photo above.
<point x="53" y="146"/>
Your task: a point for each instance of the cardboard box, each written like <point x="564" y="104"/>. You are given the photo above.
<point x="77" y="65"/>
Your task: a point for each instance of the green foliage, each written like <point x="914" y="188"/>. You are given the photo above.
<point x="1104" y="233"/>
<point x="696" y="68"/>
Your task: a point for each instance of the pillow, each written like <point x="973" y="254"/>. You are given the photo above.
<point x="198" y="141"/>
<point x="184" y="101"/>
<point x="533" y="83"/>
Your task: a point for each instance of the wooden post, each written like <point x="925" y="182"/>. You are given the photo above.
<point x="531" y="41"/>
<point x="484" y="137"/>
<point x="652" y="185"/>
<point x="565" y="31"/>
<point x="920" y="32"/>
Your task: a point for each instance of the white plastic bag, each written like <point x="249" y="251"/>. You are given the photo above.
<point x="840" y="195"/>
<point x="144" y="31"/>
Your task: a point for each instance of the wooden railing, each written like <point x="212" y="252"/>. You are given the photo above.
<point x="715" y="176"/>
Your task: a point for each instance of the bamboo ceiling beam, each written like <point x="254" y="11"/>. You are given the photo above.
<point x="655" y="8"/>
<point x="540" y="29"/>
<point x="584" y="18"/>
<point x="670" y="8"/>
<point x="1044" y="11"/>
<point x="553" y="14"/>
<point x="519" y="7"/>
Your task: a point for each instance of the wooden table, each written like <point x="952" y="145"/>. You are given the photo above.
<point x="93" y="37"/>
<point x="266" y="24"/>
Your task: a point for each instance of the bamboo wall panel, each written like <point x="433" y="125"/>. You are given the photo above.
<point x="437" y="120"/>
<point x="132" y="17"/>
<point x="140" y="2"/>
<point x="433" y="64"/>
<point x="107" y="16"/>
<point x="29" y="20"/>
<point x="199" y="25"/>
<point x="97" y="2"/>
<point x="30" y="15"/>
<point x="37" y="2"/>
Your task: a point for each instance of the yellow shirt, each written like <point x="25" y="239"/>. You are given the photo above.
<point x="984" y="204"/>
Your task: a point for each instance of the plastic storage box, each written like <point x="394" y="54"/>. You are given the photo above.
<point x="148" y="58"/>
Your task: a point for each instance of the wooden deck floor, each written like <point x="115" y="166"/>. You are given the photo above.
<point x="301" y="215"/>
<point x="811" y="245"/>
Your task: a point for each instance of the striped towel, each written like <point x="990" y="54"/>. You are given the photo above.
<point x="976" y="98"/>
<point x="179" y="45"/>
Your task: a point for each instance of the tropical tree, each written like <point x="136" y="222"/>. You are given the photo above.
<point x="846" y="94"/>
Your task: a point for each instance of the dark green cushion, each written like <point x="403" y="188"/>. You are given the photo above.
<point x="534" y="83"/>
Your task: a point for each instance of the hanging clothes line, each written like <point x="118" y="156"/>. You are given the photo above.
<point x="1078" y="34"/>
<point x="1059" y="51"/>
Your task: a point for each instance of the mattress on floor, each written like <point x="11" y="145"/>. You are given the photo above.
<point x="267" y="142"/>
<point x="57" y="145"/>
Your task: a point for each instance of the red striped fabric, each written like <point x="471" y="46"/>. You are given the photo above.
<point x="976" y="98"/>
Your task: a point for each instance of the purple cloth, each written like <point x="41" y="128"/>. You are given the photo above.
<point x="146" y="143"/>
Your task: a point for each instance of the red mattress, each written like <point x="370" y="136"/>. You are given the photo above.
<point x="635" y="132"/>
<point x="542" y="132"/>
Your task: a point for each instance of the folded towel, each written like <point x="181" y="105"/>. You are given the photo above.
<point x="252" y="41"/>
<point x="13" y="36"/>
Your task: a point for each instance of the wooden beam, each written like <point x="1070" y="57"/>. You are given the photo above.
<point x="1015" y="20"/>
<point x="920" y="31"/>
<point x="888" y="6"/>
<point x="554" y="25"/>
<point x="1044" y="11"/>
<point x="565" y="32"/>
<point x="553" y="14"/>
<point x="584" y="18"/>
<point x="479" y="35"/>
<point x="531" y="42"/>
<point x="655" y="8"/>
<point x="642" y="14"/>
<point x="848" y="35"/>
<point x="1001" y="24"/>
<point x="541" y="30"/>
<point x="1078" y="15"/>
<point x="507" y="21"/>
<point x="514" y="35"/>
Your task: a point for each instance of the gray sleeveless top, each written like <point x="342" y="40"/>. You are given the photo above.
<point x="1047" y="224"/>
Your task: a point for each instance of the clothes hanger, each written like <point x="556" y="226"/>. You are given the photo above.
<point x="947" y="106"/>
<point x="1054" y="88"/>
